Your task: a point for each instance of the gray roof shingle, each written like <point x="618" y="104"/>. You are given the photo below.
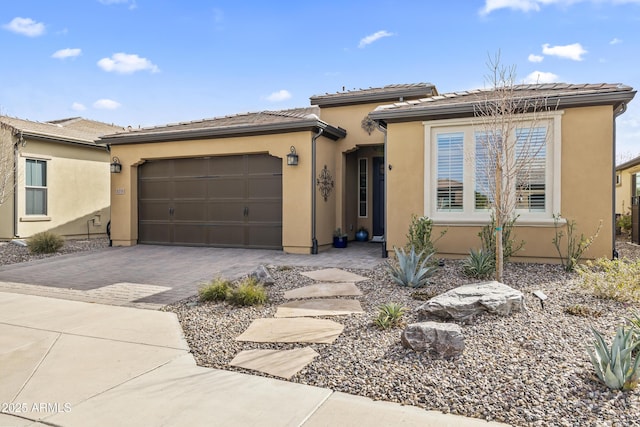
<point x="462" y="103"/>
<point x="76" y="130"/>
<point x="380" y="94"/>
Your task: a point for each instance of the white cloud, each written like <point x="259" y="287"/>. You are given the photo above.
<point x="571" y="51"/>
<point x="535" y="58"/>
<point x="615" y="40"/>
<point x="76" y="106"/>
<point x="124" y="63"/>
<point x="281" y="95"/>
<point x="536" y="5"/>
<point x="373" y="37"/>
<point x="106" y="104"/>
<point x="25" y="26"/>
<point x="66" y="53"/>
<point x="541" y="77"/>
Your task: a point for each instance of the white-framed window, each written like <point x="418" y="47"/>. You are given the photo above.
<point x="458" y="172"/>
<point x="363" y="179"/>
<point x="618" y="179"/>
<point x="35" y="187"/>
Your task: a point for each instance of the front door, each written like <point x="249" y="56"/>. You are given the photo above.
<point x="378" y="196"/>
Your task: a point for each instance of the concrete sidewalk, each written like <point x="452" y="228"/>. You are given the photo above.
<point x="69" y="363"/>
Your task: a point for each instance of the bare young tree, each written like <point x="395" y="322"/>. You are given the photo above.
<point x="7" y="164"/>
<point x="509" y="151"/>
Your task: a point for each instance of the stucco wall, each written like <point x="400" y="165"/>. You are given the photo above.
<point x="586" y="188"/>
<point x="623" y="191"/>
<point x="77" y="190"/>
<point x="296" y="180"/>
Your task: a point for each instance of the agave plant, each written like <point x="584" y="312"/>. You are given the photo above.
<point x="479" y="265"/>
<point x="410" y="269"/>
<point x="615" y="366"/>
<point x="390" y="315"/>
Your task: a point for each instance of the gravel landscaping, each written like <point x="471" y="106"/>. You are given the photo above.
<point x="530" y="368"/>
<point x="11" y="253"/>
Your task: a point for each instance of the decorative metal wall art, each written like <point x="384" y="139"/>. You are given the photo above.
<point x="325" y="183"/>
<point x="368" y="124"/>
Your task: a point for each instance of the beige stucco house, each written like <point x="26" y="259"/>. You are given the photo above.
<point x="57" y="177"/>
<point x="365" y="158"/>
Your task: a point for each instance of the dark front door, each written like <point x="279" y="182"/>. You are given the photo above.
<point x="378" y="196"/>
<point x="229" y="201"/>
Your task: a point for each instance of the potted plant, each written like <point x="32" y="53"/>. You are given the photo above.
<point x="362" y="235"/>
<point x="339" y="239"/>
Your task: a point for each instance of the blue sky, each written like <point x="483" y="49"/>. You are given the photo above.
<point x="152" y="62"/>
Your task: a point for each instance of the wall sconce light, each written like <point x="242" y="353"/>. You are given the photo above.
<point x="116" y="167"/>
<point x="292" y="157"/>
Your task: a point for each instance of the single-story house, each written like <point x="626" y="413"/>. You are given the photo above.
<point x="364" y="158"/>
<point x="627" y="185"/>
<point x="56" y="177"/>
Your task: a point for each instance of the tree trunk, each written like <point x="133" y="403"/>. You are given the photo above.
<point x="498" y="217"/>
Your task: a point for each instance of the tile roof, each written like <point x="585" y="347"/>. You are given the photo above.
<point x="243" y="119"/>
<point x="233" y="125"/>
<point x="75" y="130"/>
<point x="465" y="100"/>
<point x="375" y="94"/>
<point x="628" y="164"/>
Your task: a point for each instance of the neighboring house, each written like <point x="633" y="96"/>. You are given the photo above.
<point x="61" y="179"/>
<point x="627" y="185"/>
<point x="365" y="158"/>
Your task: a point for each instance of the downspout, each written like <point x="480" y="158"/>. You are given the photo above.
<point x="314" y="240"/>
<point x="616" y="114"/>
<point x="16" y="153"/>
<point x="386" y="181"/>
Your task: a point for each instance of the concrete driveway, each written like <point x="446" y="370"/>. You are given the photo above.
<point x="152" y="276"/>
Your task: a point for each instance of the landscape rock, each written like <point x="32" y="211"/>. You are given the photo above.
<point x="466" y="302"/>
<point x="445" y="339"/>
<point x="262" y="275"/>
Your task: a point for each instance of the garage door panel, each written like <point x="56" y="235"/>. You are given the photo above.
<point x="190" y="167"/>
<point x="265" y="187"/>
<point x="154" y="189"/>
<point x="155" y="233"/>
<point x="233" y="201"/>
<point x="263" y="236"/>
<point x="154" y="210"/>
<point x="227" y="165"/>
<point x="227" y="234"/>
<point x="190" y="189"/>
<point x="190" y="234"/>
<point x="225" y="211"/>
<point x="193" y="210"/>
<point x="226" y="188"/>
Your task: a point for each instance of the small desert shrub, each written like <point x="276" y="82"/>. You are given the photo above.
<point x="615" y="366"/>
<point x="617" y="279"/>
<point x="479" y="265"/>
<point x="624" y="222"/>
<point x="424" y="295"/>
<point x="248" y="292"/>
<point x="218" y="290"/>
<point x="412" y="269"/>
<point x="419" y="237"/>
<point x="582" y="311"/>
<point x="390" y="315"/>
<point x="45" y="242"/>
<point x="575" y="247"/>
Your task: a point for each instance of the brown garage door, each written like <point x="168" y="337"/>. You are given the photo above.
<point x="230" y="201"/>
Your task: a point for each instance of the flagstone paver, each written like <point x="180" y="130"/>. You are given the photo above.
<point x="319" y="290"/>
<point x="280" y="363"/>
<point x="319" y="307"/>
<point x="292" y="330"/>
<point x="334" y="275"/>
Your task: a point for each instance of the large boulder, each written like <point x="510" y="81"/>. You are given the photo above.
<point x="262" y="275"/>
<point x="444" y="339"/>
<point x="466" y="302"/>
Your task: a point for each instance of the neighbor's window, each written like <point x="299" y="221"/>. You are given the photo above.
<point x="362" y="188"/>
<point x="458" y="186"/>
<point x="36" y="187"/>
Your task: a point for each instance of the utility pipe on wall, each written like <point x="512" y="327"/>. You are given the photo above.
<point x="314" y="240"/>
<point x="616" y="114"/>
<point x="386" y="180"/>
